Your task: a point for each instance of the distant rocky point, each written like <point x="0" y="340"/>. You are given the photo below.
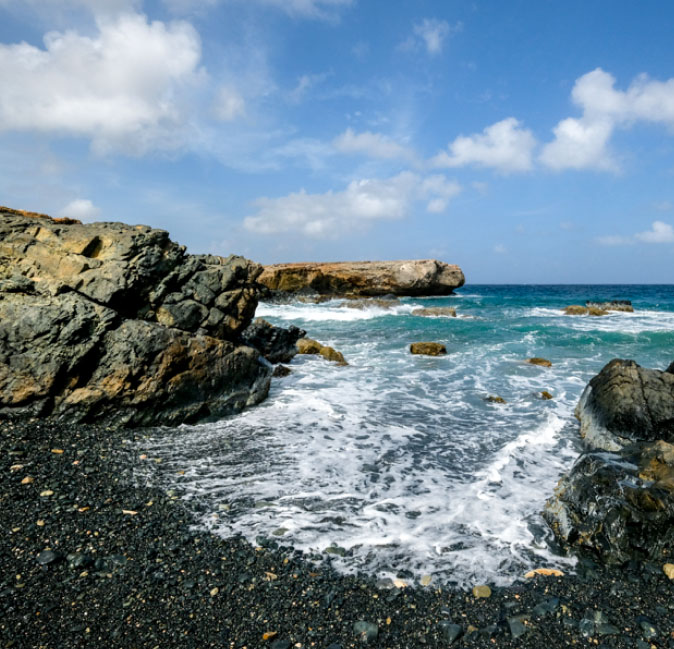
<point x="115" y="323"/>
<point x="364" y="278"/>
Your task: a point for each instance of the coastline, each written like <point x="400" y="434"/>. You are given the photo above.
<point x="115" y="564"/>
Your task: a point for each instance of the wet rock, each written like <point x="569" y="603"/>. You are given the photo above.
<point x="541" y="362"/>
<point x="428" y="349"/>
<point x="116" y="323"/>
<point x="545" y="395"/>
<point x="48" y="557"/>
<point x="369" y="303"/>
<point x="276" y="344"/>
<point x="492" y="398"/>
<point x="516" y="626"/>
<point x="280" y="371"/>
<point x="313" y="347"/>
<point x="416" y="277"/>
<point x="436" y="311"/>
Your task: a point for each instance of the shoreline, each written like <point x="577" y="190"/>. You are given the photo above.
<point x="105" y="562"/>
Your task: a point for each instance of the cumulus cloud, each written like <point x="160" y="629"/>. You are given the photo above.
<point x="371" y="144"/>
<point x="505" y="146"/>
<point x="361" y="204"/>
<point x="82" y="209"/>
<point x="430" y="34"/>
<point x="660" y="232"/>
<point x="583" y="142"/>
<point x="124" y="87"/>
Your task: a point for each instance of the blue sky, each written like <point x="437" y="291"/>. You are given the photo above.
<point x="528" y="141"/>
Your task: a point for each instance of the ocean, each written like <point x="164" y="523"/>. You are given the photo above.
<point x="396" y="465"/>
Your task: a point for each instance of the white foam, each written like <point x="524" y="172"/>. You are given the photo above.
<point x="329" y="311"/>
<point x="640" y="321"/>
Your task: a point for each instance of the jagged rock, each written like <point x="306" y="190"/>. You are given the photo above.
<point x="626" y="403"/>
<point x="116" y="323"/>
<point x="436" y="311"/>
<point x="618" y="498"/>
<point x="367" y="278"/>
<point x="276" y="344"/>
<point x="492" y="398"/>
<point x="313" y="347"/>
<point x="428" y="349"/>
<point x="545" y="395"/>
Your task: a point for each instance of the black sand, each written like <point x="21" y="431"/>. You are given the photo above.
<point x="103" y="563"/>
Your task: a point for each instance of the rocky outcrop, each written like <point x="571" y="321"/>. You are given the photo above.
<point x="367" y="278"/>
<point x="618" y="499"/>
<point x="276" y="344"/>
<point x="611" y="305"/>
<point x="116" y="323"/>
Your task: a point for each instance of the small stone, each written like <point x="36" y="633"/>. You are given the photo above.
<point x="281" y="370"/>
<point x="57" y="451"/>
<point x="28" y="480"/>
<point x="47" y="557"/>
<point x="281" y="644"/>
<point x="648" y="629"/>
<point x="425" y="580"/>
<point x="492" y="398"/>
<point x="46" y="493"/>
<point x="40" y="523"/>
<point x="214" y="591"/>
<point x="546" y="606"/>
<point x="367" y="631"/>
<point x="517" y="627"/>
<point x="544" y="572"/>
<point x="399" y="583"/>
<point x="268" y="635"/>
<point x="450" y="631"/>
<point x="481" y="591"/>
<point x="545" y="395"/>
<point x="668" y="569"/>
<point x="16" y="467"/>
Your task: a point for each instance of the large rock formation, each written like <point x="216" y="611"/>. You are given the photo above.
<point x="618" y="499"/>
<point x="116" y="323"/>
<point x="366" y="278"/>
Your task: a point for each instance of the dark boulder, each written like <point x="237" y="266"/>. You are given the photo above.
<point x="116" y="323"/>
<point x="276" y="344"/>
<point x="626" y="403"/>
<point x="618" y="499"/>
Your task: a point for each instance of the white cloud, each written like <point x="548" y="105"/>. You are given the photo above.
<point x="229" y="104"/>
<point x="504" y="146"/>
<point x="371" y="144"/>
<point x="318" y="9"/>
<point x="363" y="202"/>
<point x="304" y="84"/>
<point x="431" y="34"/>
<point x="660" y="232"/>
<point x="582" y="143"/>
<point x="82" y="209"/>
<point x="500" y="249"/>
<point x="124" y="88"/>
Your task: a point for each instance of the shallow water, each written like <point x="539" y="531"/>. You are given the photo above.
<point x="397" y="460"/>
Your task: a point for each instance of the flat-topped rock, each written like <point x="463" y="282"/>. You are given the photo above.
<point x="115" y="323"/>
<point x="364" y="278"/>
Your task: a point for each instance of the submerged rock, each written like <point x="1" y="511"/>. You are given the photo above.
<point x="428" y="349"/>
<point x="611" y="305"/>
<point x="369" y="303"/>
<point x="492" y="398"/>
<point x="436" y="311"/>
<point x="575" y="309"/>
<point x="618" y="499"/>
<point x="116" y="323"/>
<point x="366" y="278"/>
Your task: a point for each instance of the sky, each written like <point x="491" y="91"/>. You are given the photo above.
<point x="528" y="141"/>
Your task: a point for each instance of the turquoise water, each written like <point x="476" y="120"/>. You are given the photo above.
<point x="397" y="461"/>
